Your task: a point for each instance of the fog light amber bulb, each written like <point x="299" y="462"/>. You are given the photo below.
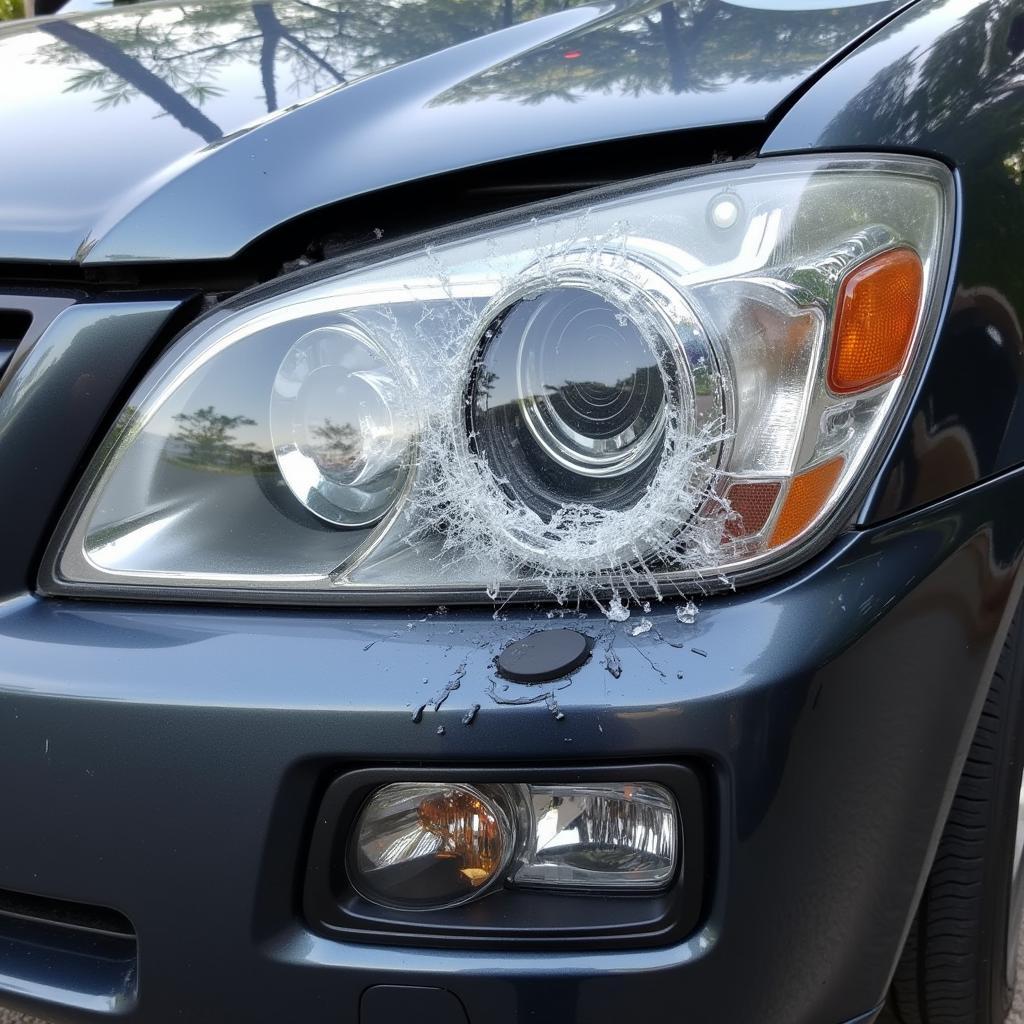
<point x="468" y="831"/>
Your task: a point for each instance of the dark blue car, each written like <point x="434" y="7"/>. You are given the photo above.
<point x="512" y="511"/>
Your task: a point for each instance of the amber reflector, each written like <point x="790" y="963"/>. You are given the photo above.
<point x="750" y="505"/>
<point x="807" y="496"/>
<point x="468" y="831"/>
<point x="876" y="313"/>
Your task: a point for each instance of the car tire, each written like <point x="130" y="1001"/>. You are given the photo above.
<point x="958" y="965"/>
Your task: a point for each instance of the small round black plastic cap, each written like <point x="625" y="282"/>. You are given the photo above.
<point x="546" y="654"/>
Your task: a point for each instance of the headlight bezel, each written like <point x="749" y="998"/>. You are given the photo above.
<point x="65" y="570"/>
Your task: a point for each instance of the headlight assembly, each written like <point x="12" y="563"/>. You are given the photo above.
<point x="648" y="388"/>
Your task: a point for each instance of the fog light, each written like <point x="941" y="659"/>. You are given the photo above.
<point x="421" y="846"/>
<point x="429" y="845"/>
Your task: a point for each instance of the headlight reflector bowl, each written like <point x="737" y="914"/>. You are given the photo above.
<point x="422" y="845"/>
<point x="340" y="430"/>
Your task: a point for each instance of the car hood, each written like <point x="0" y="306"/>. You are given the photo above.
<point x="182" y="131"/>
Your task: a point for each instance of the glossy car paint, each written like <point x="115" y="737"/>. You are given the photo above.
<point x="830" y="708"/>
<point x="187" y="146"/>
<point x="51" y="401"/>
<point x="169" y="760"/>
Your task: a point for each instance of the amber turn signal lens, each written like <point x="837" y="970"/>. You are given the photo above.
<point x="877" y="310"/>
<point x="807" y="496"/>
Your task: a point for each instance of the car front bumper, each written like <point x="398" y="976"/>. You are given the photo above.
<point x="167" y="762"/>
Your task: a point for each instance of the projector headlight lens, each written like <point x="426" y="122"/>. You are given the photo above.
<point x="685" y="381"/>
<point x="582" y="385"/>
<point x="574" y="377"/>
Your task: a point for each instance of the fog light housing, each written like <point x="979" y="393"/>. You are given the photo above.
<point x="432" y="845"/>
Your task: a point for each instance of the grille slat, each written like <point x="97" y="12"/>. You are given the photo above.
<point x="65" y="914"/>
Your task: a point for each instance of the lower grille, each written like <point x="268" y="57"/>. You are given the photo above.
<point x="68" y="953"/>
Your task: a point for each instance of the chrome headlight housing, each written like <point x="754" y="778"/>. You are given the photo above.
<point x="664" y="385"/>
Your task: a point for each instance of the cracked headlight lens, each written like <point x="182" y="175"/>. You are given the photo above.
<point x="687" y="379"/>
<point x="602" y="414"/>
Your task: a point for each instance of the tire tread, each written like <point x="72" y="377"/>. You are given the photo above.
<point x="937" y="978"/>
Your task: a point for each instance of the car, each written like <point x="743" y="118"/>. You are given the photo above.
<point x="512" y="511"/>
